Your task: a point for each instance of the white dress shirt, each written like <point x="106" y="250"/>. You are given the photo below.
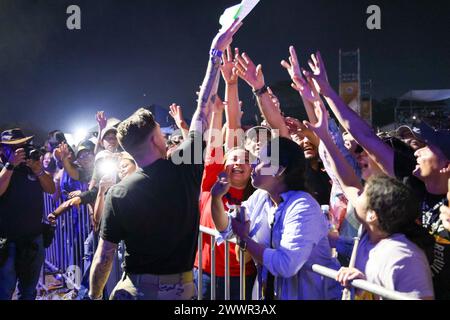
<point x="299" y="240"/>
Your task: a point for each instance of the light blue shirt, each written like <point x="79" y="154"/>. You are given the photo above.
<point x="299" y="240"/>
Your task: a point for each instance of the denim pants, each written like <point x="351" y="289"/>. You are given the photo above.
<point x="25" y="274"/>
<point x="220" y="286"/>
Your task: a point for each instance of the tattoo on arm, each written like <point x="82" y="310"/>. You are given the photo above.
<point x="207" y="94"/>
<point x="102" y="266"/>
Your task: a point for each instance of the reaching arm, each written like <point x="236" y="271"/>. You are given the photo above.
<point x="15" y="159"/>
<point x="253" y="75"/>
<point x="105" y="183"/>
<point x="380" y="152"/>
<point x="5" y="178"/>
<point x="345" y="174"/>
<point x="101" y="268"/>
<point x="45" y="180"/>
<point x="307" y="92"/>
<point x="234" y="133"/>
<point x="215" y="137"/>
<point x="210" y="84"/>
<point x="219" y="216"/>
<point x="177" y="115"/>
<point x="101" y="121"/>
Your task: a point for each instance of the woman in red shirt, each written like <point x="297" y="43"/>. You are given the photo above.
<point x="238" y="169"/>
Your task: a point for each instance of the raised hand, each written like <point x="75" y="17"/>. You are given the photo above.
<point x="319" y="74"/>
<point x="293" y="125"/>
<point x="64" y="151"/>
<point x="221" y="187"/>
<point x="293" y="67"/>
<point x="225" y="37"/>
<point x="101" y="119"/>
<point x="298" y="131"/>
<point x="177" y="114"/>
<point x="247" y="71"/>
<point x="17" y="157"/>
<point x="229" y="76"/>
<point x="298" y="82"/>
<point x="321" y="127"/>
<point x="35" y="166"/>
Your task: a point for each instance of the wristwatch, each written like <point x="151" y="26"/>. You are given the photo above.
<point x="243" y="245"/>
<point x="260" y="92"/>
<point x="9" y="166"/>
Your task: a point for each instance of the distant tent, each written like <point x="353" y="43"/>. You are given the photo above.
<point x="424" y="105"/>
<point x="426" y="95"/>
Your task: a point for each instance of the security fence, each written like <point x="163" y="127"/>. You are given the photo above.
<point x="73" y="228"/>
<point x="68" y="249"/>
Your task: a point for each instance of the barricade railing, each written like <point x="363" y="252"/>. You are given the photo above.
<point x="214" y="234"/>
<point x="364" y="285"/>
<point x="73" y="228"/>
<point x="68" y="247"/>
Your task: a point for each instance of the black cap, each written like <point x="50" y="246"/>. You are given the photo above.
<point x="437" y="138"/>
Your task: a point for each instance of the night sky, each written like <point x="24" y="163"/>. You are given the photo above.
<point x="141" y="52"/>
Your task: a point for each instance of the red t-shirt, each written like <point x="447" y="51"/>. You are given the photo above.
<point x="210" y="174"/>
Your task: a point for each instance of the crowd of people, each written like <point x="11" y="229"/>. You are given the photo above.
<point x="294" y="194"/>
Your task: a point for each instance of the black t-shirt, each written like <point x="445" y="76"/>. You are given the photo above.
<point x="21" y="206"/>
<point x="430" y="204"/>
<point x="89" y="196"/>
<point x="155" y="211"/>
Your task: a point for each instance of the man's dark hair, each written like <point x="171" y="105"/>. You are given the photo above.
<point x="133" y="131"/>
<point x="397" y="210"/>
<point x="291" y="157"/>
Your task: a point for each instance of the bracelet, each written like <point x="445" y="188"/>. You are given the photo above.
<point x="216" y="53"/>
<point x="243" y="245"/>
<point x="260" y="92"/>
<point x="9" y="166"/>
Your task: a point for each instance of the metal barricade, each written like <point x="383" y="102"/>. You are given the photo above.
<point x="204" y="231"/>
<point x="74" y="227"/>
<point x="67" y="249"/>
<point x="364" y="285"/>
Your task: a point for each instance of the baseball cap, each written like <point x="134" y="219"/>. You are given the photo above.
<point x="85" y="145"/>
<point x="106" y="131"/>
<point x="437" y="138"/>
<point x="404" y="131"/>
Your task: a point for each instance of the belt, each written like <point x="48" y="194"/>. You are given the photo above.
<point x="184" y="277"/>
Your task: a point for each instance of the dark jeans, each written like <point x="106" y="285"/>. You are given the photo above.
<point x="24" y="272"/>
<point x="220" y="286"/>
